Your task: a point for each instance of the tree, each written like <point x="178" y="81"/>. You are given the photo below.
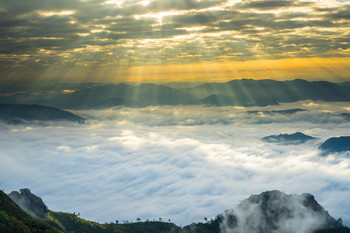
<point x="17" y="226"/>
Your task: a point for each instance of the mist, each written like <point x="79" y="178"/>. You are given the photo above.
<point x="276" y="212"/>
<point x="182" y="163"/>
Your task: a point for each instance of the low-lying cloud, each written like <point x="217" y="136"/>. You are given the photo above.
<point x="181" y="163"/>
<point x="276" y="212"/>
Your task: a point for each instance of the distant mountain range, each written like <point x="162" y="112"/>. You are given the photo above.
<point x="244" y="92"/>
<point x="273" y="112"/>
<point x="295" y="138"/>
<point x="331" y="145"/>
<point x="271" y="211"/>
<point x="22" y="113"/>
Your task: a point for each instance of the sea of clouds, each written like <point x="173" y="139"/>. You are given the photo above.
<point x="182" y="163"/>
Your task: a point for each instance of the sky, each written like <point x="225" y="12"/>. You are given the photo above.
<point x="173" y="40"/>
<point x="182" y="163"/>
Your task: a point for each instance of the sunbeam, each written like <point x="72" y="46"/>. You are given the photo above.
<point x="174" y="109"/>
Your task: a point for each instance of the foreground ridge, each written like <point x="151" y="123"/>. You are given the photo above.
<point x="268" y="212"/>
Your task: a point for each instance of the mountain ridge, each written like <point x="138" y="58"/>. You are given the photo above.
<point x="295" y="138"/>
<point x="21" y="113"/>
<point x="274" y="209"/>
<point x="238" y="92"/>
<point x="336" y="145"/>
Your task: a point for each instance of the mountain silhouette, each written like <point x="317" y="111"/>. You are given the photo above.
<point x="284" y="112"/>
<point x="336" y="144"/>
<point x="295" y="138"/>
<point x="243" y="92"/>
<point x="21" y="113"/>
<point x="268" y="212"/>
<point x="274" y="211"/>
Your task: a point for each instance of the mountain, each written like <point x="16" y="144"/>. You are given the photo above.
<point x="71" y="222"/>
<point x="336" y="144"/>
<point x="109" y="95"/>
<point x="21" y="113"/>
<point x="14" y="220"/>
<point x="249" y="92"/>
<point x="222" y="100"/>
<point x="244" y="92"/>
<point x="346" y="84"/>
<point x="274" y="211"/>
<point x="268" y="212"/>
<point x="26" y="199"/>
<point x="295" y="138"/>
<point x="273" y="112"/>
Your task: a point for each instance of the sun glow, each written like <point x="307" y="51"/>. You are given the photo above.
<point x="280" y="69"/>
<point x="55" y="13"/>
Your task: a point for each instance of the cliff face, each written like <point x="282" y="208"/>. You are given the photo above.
<point x="14" y="219"/>
<point x="26" y="199"/>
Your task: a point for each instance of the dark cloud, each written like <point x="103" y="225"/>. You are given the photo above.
<point x="198" y="19"/>
<point x="68" y="27"/>
<point x="263" y="4"/>
<point x="166" y="5"/>
<point x="342" y="13"/>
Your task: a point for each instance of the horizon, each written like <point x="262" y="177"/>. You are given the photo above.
<point x="185" y="152"/>
<point x="173" y="84"/>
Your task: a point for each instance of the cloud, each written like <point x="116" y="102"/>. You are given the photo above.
<point x="40" y="35"/>
<point x="274" y="211"/>
<point x="177" y="163"/>
<point x="261" y="4"/>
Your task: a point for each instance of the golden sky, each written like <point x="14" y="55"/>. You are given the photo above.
<point x="174" y="40"/>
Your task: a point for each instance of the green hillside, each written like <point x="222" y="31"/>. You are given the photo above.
<point x="72" y="223"/>
<point x="275" y="207"/>
<point x="14" y="219"/>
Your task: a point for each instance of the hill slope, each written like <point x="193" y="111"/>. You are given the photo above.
<point x="14" y="219"/>
<point x="274" y="211"/>
<point x="21" y="113"/>
<point x="336" y="144"/>
<point x="268" y="212"/>
<point x="244" y="92"/>
<point x="295" y="138"/>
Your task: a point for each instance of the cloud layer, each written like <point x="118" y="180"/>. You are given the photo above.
<point x="275" y="212"/>
<point x="176" y="163"/>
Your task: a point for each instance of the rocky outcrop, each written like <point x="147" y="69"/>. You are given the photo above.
<point x="275" y="212"/>
<point x="29" y="201"/>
